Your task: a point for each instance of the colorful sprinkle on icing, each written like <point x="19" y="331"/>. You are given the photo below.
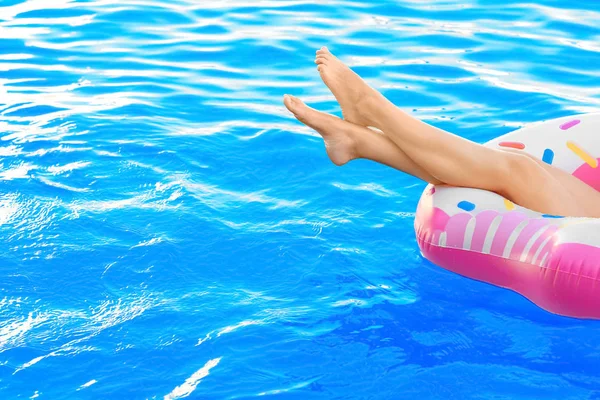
<point x="509" y="205"/>
<point x="570" y="124"/>
<point x="551" y="216"/>
<point x="548" y="156"/>
<point x="584" y="155"/>
<point x="512" y="145"/>
<point x="466" y="205"/>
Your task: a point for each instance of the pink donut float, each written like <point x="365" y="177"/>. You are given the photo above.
<point x="553" y="261"/>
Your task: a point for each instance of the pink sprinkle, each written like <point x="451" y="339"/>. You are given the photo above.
<point x="569" y="124"/>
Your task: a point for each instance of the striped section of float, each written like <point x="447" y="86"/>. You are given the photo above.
<point x="510" y="235"/>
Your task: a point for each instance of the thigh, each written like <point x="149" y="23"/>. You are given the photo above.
<point x="583" y="196"/>
<point x="532" y="185"/>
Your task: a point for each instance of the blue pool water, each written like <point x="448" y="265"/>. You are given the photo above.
<point x="167" y="230"/>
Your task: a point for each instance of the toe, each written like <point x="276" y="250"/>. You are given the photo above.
<point x="288" y="101"/>
<point x="296" y="102"/>
<point x="293" y="104"/>
<point x="323" y="50"/>
<point x="322" y="68"/>
<point x="320" y="60"/>
<point x="300" y="110"/>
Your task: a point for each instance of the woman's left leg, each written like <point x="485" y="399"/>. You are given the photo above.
<point x="447" y="157"/>
<point x="460" y="162"/>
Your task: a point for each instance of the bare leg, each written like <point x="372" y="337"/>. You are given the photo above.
<point x="447" y="157"/>
<point x="587" y="196"/>
<point x="345" y="141"/>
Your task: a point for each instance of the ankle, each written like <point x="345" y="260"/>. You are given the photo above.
<point x="353" y="144"/>
<point x="374" y="107"/>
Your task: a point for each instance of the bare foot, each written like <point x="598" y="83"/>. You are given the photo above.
<point x="355" y="96"/>
<point x="339" y="143"/>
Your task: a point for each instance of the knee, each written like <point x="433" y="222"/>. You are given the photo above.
<point x="520" y="171"/>
<point x="522" y="154"/>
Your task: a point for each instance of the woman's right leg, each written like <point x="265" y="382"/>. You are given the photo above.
<point x="448" y="158"/>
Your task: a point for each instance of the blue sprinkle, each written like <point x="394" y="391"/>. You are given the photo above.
<point x="548" y="157"/>
<point x="466" y="205"/>
<point x="551" y="216"/>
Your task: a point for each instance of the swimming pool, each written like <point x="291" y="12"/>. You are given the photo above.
<point x="168" y="230"/>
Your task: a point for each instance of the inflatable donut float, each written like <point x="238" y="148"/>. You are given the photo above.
<point x="551" y="260"/>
